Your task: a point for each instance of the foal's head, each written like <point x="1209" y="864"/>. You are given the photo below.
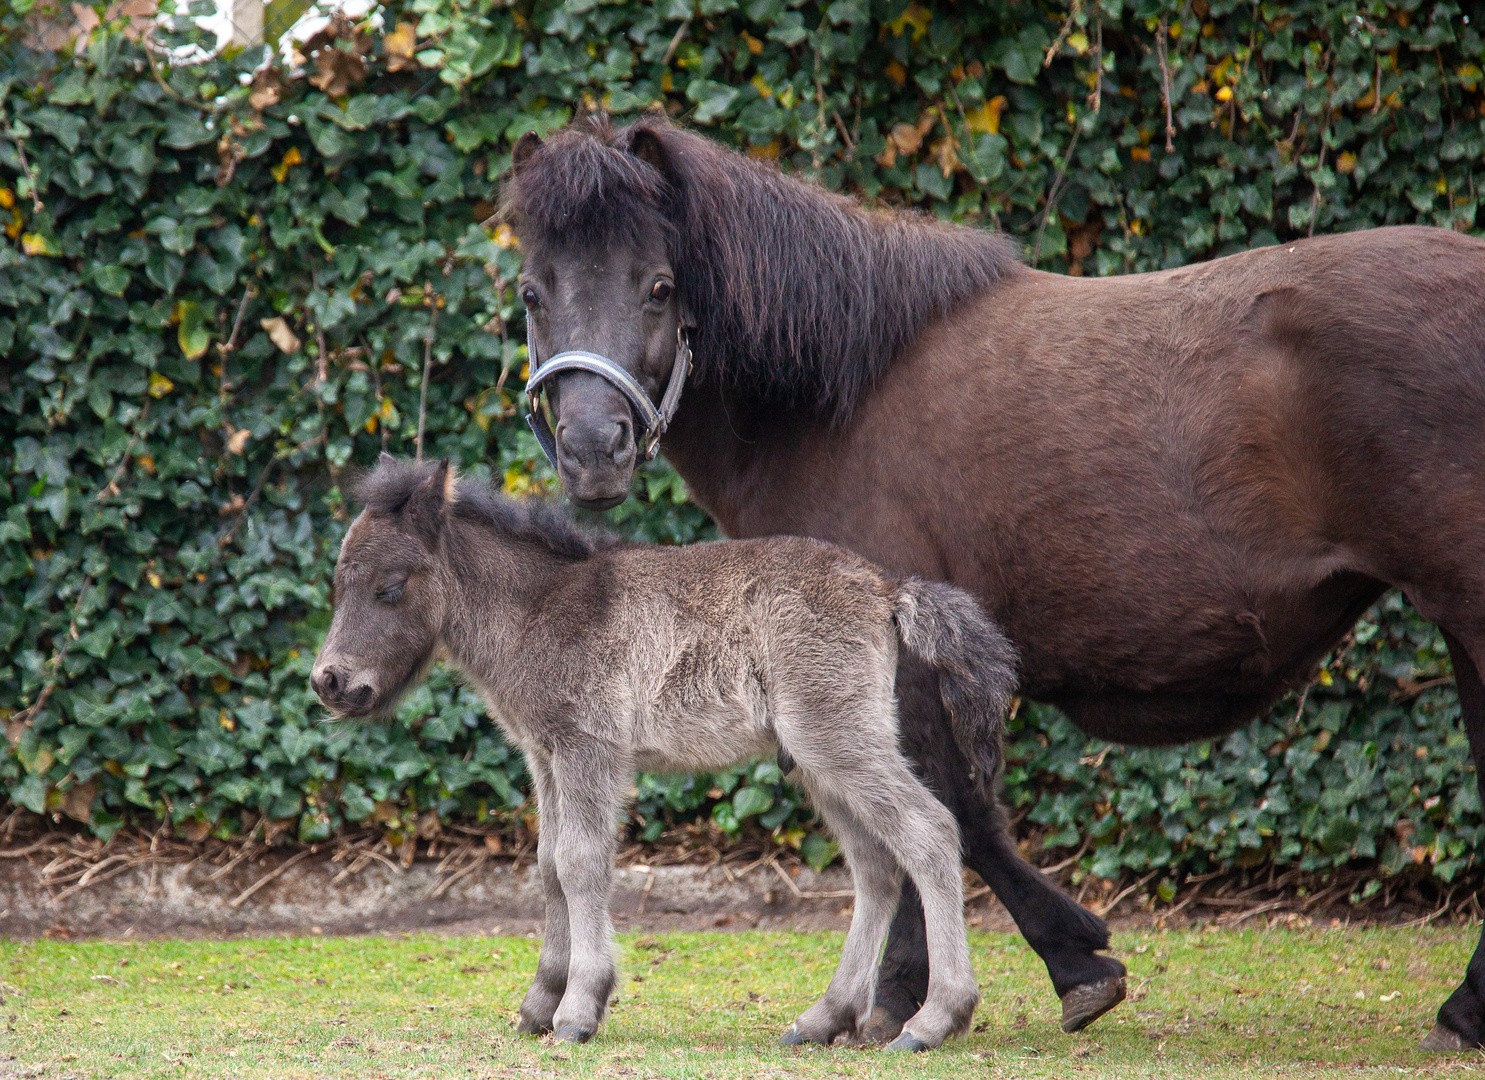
<point x="426" y="544"/>
<point x="390" y="590"/>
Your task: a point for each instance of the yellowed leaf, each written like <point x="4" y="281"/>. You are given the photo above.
<point x="38" y="244"/>
<point x="159" y="385"/>
<point x="280" y="334"/>
<point x="986" y="119"/>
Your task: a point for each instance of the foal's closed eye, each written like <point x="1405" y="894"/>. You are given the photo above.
<point x="391" y="592"/>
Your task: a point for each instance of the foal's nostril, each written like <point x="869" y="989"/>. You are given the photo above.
<point x="326" y="684"/>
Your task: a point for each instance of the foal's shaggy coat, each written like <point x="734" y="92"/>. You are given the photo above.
<point x="598" y="659"/>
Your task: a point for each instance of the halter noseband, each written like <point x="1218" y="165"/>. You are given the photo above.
<point x="655" y="420"/>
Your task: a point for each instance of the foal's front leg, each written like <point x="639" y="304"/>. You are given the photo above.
<point x="589" y="787"/>
<point x="546" y="991"/>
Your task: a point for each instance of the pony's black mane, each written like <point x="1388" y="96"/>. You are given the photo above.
<point x="800" y="295"/>
<point x="535" y="520"/>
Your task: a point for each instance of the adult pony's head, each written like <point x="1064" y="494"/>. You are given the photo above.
<point x="795" y="296"/>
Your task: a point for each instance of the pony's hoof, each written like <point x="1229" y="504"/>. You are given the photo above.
<point x="880" y="1027"/>
<point x="1084" y="1004"/>
<point x="571" y="1033"/>
<point x="908" y="1042"/>
<point x="527" y="1026"/>
<point x="1443" y="1040"/>
<point x="792" y="1037"/>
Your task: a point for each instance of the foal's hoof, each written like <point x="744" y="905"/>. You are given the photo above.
<point x="1443" y="1040"/>
<point x="571" y="1033"/>
<point x="1084" y="1004"/>
<point x="908" y="1042"/>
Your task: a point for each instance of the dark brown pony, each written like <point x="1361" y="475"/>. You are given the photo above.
<point x="1176" y="491"/>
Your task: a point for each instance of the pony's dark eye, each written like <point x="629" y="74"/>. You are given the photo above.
<point x="660" y="291"/>
<point x="391" y="592"/>
<point x="529" y="297"/>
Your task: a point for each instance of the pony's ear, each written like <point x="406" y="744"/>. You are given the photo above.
<point x="385" y="458"/>
<point x="429" y="504"/>
<point x="646" y="145"/>
<point x="526" y="147"/>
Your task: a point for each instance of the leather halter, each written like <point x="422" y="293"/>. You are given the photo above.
<point x="654" y="420"/>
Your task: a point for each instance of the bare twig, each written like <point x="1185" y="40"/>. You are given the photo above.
<point x="20" y="147"/>
<point x="58" y="655"/>
<point x="1054" y="192"/>
<point x="1098" y="68"/>
<point x="675" y="42"/>
<point x="840" y="125"/>
<point x="1160" y="54"/>
<point x="226" y="537"/>
<point x="1122" y="893"/>
<point x="830" y="894"/>
<point x="1070" y="859"/>
<point x="427" y="374"/>
<point x="231" y="346"/>
<point x="270" y="876"/>
<point x="1073" y="11"/>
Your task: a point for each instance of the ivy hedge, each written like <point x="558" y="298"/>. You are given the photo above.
<point x="224" y="285"/>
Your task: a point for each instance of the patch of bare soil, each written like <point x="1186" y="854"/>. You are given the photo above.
<point x="65" y="884"/>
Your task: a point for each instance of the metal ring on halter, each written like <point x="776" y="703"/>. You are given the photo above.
<point x="653" y="420"/>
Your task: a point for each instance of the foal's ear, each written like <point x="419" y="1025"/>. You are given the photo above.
<point x="526" y="147"/>
<point x="429" y="504"/>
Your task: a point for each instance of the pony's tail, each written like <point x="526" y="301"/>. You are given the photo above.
<point x="976" y="665"/>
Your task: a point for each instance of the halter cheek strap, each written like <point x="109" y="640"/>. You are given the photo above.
<point x="654" y="421"/>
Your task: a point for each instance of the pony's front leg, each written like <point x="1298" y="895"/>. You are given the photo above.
<point x="541" y="1001"/>
<point x="589" y="781"/>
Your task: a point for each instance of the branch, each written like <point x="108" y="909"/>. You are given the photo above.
<point x="1160" y="45"/>
<point x="427" y="372"/>
<point x="58" y="654"/>
<point x="675" y="42"/>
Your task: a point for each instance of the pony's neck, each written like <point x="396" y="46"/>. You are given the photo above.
<point x="729" y="448"/>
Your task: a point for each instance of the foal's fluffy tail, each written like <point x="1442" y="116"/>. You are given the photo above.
<point x="976" y="664"/>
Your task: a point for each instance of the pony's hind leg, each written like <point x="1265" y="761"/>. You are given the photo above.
<point x="1461" y="1019"/>
<point x="876" y="876"/>
<point x="1066" y="936"/>
<point x="546" y="991"/>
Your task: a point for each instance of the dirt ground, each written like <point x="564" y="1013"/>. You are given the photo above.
<point x="323" y="892"/>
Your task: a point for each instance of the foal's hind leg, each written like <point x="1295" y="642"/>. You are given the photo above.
<point x="551" y="969"/>
<point x="879" y="790"/>
<point x="876" y="876"/>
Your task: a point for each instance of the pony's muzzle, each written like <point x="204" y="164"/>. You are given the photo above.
<point x="596" y="457"/>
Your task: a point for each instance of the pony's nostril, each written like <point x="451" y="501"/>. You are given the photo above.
<point x="618" y="440"/>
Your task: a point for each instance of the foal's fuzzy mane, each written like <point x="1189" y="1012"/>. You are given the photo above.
<point x="800" y="295"/>
<point x="387" y="488"/>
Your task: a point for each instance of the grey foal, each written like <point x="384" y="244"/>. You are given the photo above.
<point x="598" y="659"/>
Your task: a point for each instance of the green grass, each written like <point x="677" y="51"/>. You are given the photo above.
<point x="1255" y="1003"/>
